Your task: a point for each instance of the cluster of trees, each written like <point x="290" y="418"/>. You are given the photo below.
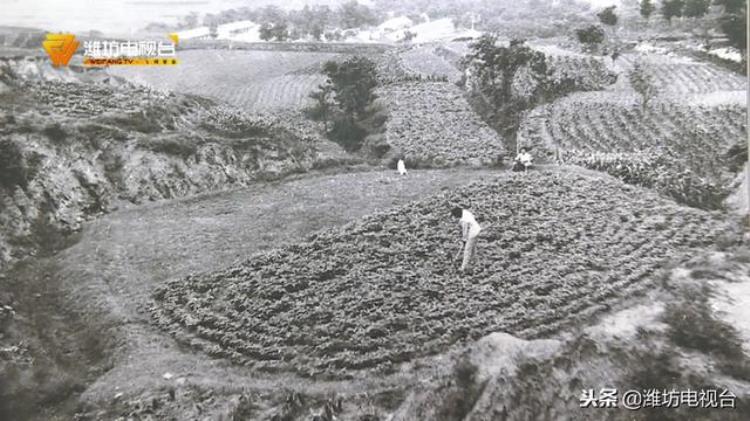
<point x="670" y="9"/>
<point x="346" y="102"/>
<point x="730" y="18"/>
<point x="593" y="35"/>
<point x="280" y="25"/>
<point x="496" y="70"/>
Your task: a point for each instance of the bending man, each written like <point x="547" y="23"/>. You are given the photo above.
<point x="470" y="231"/>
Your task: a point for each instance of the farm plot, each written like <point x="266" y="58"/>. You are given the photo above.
<point x="675" y="75"/>
<point x="682" y="151"/>
<point x="254" y="80"/>
<point x="432" y="124"/>
<point x="608" y="127"/>
<point x="587" y="73"/>
<point x="557" y="246"/>
<point x="424" y="61"/>
<point x="94" y="99"/>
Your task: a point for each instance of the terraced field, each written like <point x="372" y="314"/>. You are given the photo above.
<point x="680" y="145"/>
<point x="427" y="119"/>
<point x="675" y="75"/>
<point x="576" y="123"/>
<point x="681" y="151"/>
<point x="557" y="246"/>
<point x="254" y="80"/>
<point x="424" y="61"/>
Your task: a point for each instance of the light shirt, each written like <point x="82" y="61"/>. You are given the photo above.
<point x="401" y="167"/>
<point x="524" y="158"/>
<point x="469" y="226"/>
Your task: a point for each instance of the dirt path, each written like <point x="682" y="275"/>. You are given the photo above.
<point x="102" y="284"/>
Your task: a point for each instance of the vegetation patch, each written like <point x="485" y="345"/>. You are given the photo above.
<point x="373" y="294"/>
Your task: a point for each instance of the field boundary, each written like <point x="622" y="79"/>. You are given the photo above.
<point x="342" y="48"/>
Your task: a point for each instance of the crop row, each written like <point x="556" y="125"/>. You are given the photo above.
<point x="680" y="75"/>
<point x="679" y="150"/>
<point x="254" y="80"/>
<point x="557" y="246"/>
<point x="93" y="99"/>
<point x="424" y="61"/>
<point x="432" y="123"/>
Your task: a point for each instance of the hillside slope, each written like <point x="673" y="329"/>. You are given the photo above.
<point x="73" y="148"/>
<point x="684" y="144"/>
<point x="557" y="246"/>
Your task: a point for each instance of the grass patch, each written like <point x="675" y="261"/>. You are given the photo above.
<point x="692" y="324"/>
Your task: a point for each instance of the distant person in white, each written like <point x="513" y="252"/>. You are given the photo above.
<point x="523" y="160"/>
<point x="401" y="167"/>
<point x="470" y="230"/>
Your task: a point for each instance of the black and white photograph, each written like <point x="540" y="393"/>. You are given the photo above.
<point x="374" y="210"/>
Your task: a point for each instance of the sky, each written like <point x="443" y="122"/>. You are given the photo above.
<point x="124" y="17"/>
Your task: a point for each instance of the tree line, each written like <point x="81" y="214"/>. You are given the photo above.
<point x="316" y="22"/>
<point x="729" y="17"/>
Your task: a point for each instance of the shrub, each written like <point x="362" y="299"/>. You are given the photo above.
<point x="12" y="169"/>
<point x="590" y="36"/>
<point x="95" y="134"/>
<point x="347" y="133"/>
<point x="693" y="324"/>
<point x="668" y="174"/>
<point x="144" y="121"/>
<point x="737" y="157"/>
<point x="460" y="399"/>
<point x="182" y="147"/>
<point x="55" y="133"/>
<point x="113" y="164"/>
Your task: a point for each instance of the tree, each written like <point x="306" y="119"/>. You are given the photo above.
<point x="495" y="68"/>
<point x="265" y="32"/>
<point x="733" y="22"/>
<point x="409" y="36"/>
<point x="643" y="82"/>
<point x="672" y="9"/>
<point x="280" y="32"/>
<point x="317" y="32"/>
<point x="607" y="16"/>
<point x="353" y="15"/>
<point x="353" y="81"/>
<point x="590" y="36"/>
<point x="189" y="21"/>
<point x="323" y="107"/>
<point x="352" y="84"/>
<point x="696" y="8"/>
<point x="647" y="8"/>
